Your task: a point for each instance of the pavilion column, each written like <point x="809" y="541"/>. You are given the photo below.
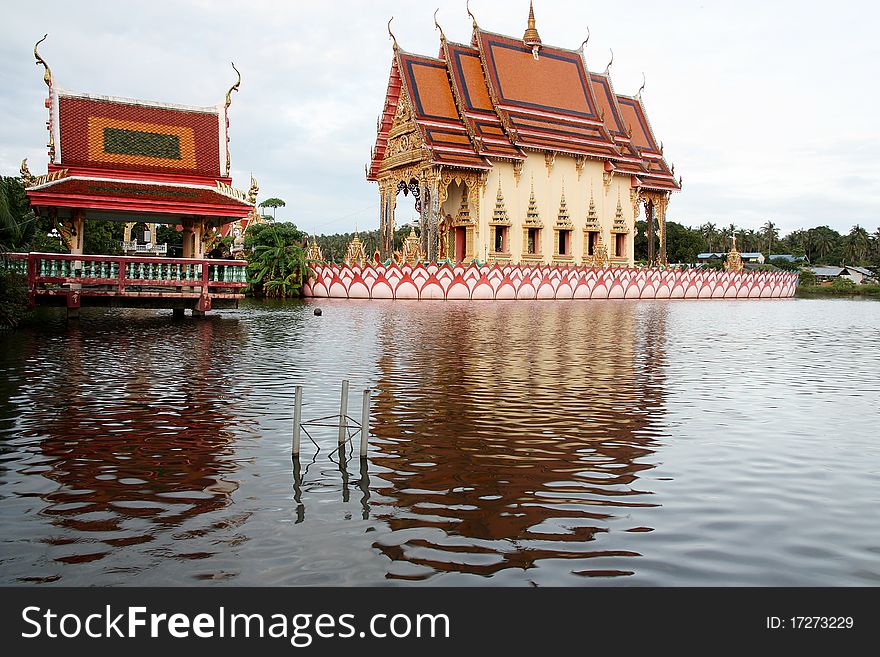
<point x="433" y="222"/>
<point x="662" y="203"/>
<point x="383" y="203"/>
<point x="77" y="238"/>
<point x="424" y="219"/>
<point x="649" y="220"/>
<point x="198" y="239"/>
<point x="188" y="238"/>
<point x="387" y="201"/>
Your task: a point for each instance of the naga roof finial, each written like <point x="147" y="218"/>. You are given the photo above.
<point x="391" y="34"/>
<point x="253" y="191"/>
<point x="470" y="13"/>
<point x="642" y="88"/>
<point x="47" y="76"/>
<point x="233" y="87"/>
<point x="608" y="68"/>
<point x="587" y="40"/>
<point x="437" y="25"/>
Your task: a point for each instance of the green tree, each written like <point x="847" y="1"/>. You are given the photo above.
<point x="858" y="242"/>
<point x="276" y="260"/>
<point x="273" y="203"/>
<point x="770" y="233"/>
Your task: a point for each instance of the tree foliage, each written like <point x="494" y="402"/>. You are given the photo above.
<point x="276" y="260"/>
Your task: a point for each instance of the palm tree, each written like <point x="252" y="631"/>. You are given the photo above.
<point x="857" y="243"/>
<point x="821" y="241"/>
<point x="770" y="232"/>
<point x="710" y="234"/>
<point x="277" y="269"/>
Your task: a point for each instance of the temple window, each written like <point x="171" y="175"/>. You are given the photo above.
<point x="620" y="245"/>
<point x="592" y="237"/>
<point x="564" y="242"/>
<point x="500" y="239"/>
<point x="533" y="241"/>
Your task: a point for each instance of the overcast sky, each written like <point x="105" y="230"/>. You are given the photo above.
<point x="768" y="109"/>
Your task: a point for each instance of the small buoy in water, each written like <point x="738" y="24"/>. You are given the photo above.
<point x="318" y="312"/>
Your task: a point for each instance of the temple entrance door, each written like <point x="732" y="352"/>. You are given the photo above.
<point x="460" y="243"/>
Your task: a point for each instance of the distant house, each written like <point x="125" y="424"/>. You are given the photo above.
<point x="757" y="258"/>
<point x="857" y="275"/>
<point x="788" y="257"/>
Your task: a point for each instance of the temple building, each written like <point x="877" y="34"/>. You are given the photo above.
<point x="515" y="152"/>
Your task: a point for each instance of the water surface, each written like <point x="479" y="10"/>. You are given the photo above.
<point x="514" y="443"/>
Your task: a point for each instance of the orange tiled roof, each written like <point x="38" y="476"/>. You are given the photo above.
<point x="137" y="136"/>
<point x="435" y="112"/>
<point x="546" y="103"/>
<point x="392" y="96"/>
<point x="657" y="174"/>
<point x="469" y="85"/>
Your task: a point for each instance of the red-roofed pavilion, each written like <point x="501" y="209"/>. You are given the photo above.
<point x="136" y="161"/>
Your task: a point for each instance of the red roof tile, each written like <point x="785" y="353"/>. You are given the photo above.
<point x="127" y="196"/>
<point x="105" y="133"/>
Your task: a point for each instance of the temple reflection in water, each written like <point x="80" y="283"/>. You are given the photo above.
<point x="137" y="443"/>
<point x="542" y="450"/>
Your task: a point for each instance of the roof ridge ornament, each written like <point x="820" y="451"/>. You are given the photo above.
<point x="391" y="34"/>
<point x="642" y="88"/>
<point x="585" y="41"/>
<point x="234" y="87"/>
<point x="437" y="26"/>
<point x="531" y="37"/>
<point x="470" y="13"/>
<point x="608" y="68"/>
<point x="47" y="75"/>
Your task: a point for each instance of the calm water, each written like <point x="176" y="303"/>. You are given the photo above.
<point x="565" y="443"/>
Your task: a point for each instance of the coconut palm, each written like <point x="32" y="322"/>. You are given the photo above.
<point x="770" y="233"/>
<point x="710" y="234"/>
<point x="857" y="244"/>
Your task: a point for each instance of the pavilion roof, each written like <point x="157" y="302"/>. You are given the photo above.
<point x="119" y="134"/>
<point x="126" y="197"/>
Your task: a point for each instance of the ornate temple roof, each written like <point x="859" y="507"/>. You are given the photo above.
<point x="477" y="109"/>
<point x="130" y="135"/>
<point x="125" y="155"/>
<point x="434" y="110"/>
<point x="507" y="95"/>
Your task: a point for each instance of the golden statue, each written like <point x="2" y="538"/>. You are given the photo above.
<point x="734" y="262"/>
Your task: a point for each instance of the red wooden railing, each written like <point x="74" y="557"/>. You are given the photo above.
<point x="55" y="274"/>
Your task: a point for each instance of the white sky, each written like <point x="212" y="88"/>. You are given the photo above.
<point x="768" y="109"/>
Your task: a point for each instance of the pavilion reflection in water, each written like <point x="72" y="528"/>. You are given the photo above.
<point x="141" y="453"/>
<point x="516" y="437"/>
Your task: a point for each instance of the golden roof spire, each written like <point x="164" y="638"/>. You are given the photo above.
<point x="531" y="36"/>
<point x="473" y="18"/>
<point x="437" y="25"/>
<point x="234" y="87"/>
<point x="391" y="34"/>
<point x="47" y="75"/>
